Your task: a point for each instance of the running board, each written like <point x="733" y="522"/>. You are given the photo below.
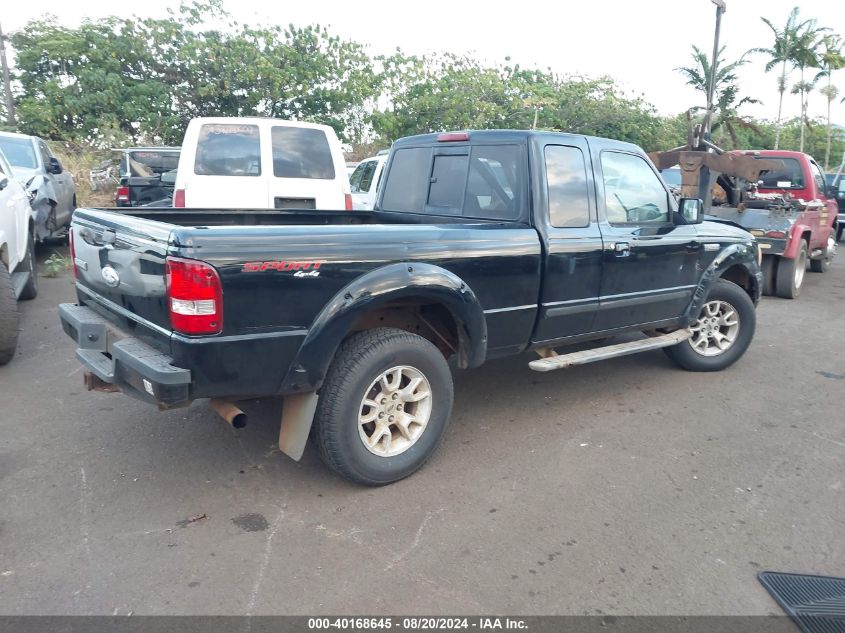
<point x="19" y="281"/>
<point x="610" y="351"/>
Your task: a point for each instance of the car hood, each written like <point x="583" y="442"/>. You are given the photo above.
<point x="715" y="227"/>
<point x="23" y="174"/>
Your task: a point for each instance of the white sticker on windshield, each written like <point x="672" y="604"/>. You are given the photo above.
<point x="784" y="183"/>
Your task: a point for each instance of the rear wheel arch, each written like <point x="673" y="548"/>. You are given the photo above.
<point x="422" y="299"/>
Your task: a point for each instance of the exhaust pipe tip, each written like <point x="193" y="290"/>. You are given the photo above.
<point x="229" y="412"/>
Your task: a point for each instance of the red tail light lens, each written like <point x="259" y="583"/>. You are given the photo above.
<point x="122" y="194"/>
<point x="348" y="198"/>
<point x="179" y="198"/>
<point x="194" y="296"/>
<point x="72" y="253"/>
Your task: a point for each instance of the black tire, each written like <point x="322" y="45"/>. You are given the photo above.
<point x="8" y="317"/>
<point x="359" y="362"/>
<point x="770" y="269"/>
<point x="820" y="265"/>
<point x="28" y="265"/>
<point x="788" y="269"/>
<point x="685" y="356"/>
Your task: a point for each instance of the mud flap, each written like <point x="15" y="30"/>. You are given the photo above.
<point x="297" y="416"/>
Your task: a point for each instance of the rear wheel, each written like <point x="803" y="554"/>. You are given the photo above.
<point x="770" y="267"/>
<point x="790" y="275"/>
<point x="721" y="333"/>
<point x="383" y="406"/>
<point x="8" y="316"/>
<point x="30" y="290"/>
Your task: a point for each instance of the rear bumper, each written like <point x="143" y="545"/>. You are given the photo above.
<point x="115" y="357"/>
<point x="771" y="246"/>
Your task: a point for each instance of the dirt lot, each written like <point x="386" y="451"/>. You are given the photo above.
<point x="625" y="487"/>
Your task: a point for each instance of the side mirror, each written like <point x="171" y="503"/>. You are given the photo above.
<point x="55" y="166"/>
<point x="691" y="210"/>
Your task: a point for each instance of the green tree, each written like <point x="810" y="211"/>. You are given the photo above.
<point x="725" y="90"/>
<point x="806" y="55"/>
<point x="782" y="52"/>
<point x="831" y="59"/>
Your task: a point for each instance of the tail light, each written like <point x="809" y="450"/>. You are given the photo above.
<point x="776" y="235"/>
<point x="348" y="199"/>
<point x="452" y="137"/>
<point x="194" y="296"/>
<point x="72" y="253"/>
<point x="179" y="198"/>
<point x="121" y="195"/>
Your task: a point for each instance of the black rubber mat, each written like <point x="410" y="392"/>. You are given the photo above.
<point x="815" y="603"/>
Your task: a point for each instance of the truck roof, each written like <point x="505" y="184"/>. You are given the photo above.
<point x="491" y="136"/>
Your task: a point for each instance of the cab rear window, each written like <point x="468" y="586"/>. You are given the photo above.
<point x="227" y="149"/>
<point x="790" y="176"/>
<point x="301" y="152"/>
<point x="483" y="181"/>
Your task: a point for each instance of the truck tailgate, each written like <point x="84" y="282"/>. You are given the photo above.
<point x="120" y="263"/>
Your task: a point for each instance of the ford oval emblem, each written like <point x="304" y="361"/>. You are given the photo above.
<point x="111" y="277"/>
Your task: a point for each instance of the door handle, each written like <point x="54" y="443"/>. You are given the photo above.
<point x="622" y="249"/>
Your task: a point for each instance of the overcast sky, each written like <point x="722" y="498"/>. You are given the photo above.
<point x="638" y="43"/>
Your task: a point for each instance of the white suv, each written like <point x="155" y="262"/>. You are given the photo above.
<point x="365" y="181"/>
<point x="18" y="277"/>
<point x="255" y="163"/>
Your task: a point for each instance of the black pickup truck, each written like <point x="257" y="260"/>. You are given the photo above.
<point x="482" y="245"/>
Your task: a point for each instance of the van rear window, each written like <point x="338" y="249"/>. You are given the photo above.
<point x="228" y="149"/>
<point x="301" y="152"/>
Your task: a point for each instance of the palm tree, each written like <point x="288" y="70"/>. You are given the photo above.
<point x="782" y="52"/>
<point x="806" y="55"/>
<point x="725" y="91"/>
<point x="831" y="59"/>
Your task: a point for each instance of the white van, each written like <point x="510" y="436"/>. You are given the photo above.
<point x="365" y="181"/>
<point x="255" y="163"/>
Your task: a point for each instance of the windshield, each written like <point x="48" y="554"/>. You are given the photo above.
<point x="149" y="163"/>
<point x="672" y="176"/>
<point x="19" y="152"/>
<point x="790" y="176"/>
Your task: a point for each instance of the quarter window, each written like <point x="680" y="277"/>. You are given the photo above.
<point x="566" y="181"/>
<point x="633" y="194"/>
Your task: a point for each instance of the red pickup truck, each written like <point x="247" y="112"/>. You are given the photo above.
<point x="793" y="215"/>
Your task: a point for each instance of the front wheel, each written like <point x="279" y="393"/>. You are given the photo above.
<point x="822" y="265"/>
<point x="30" y="290"/>
<point x="721" y="333"/>
<point x="8" y="317"/>
<point x="383" y="407"/>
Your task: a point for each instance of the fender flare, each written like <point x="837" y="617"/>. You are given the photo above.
<point x="797" y="231"/>
<point x="735" y="254"/>
<point x="405" y="280"/>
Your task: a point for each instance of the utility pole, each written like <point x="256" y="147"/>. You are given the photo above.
<point x="704" y="184"/>
<point x="7" y="82"/>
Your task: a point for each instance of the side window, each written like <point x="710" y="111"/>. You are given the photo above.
<point x="633" y="193"/>
<point x="566" y="182"/>
<point x="45" y="153"/>
<point x="228" y="149"/>
<point x="493" y="189"/>
<point x="2" y="169"/>
<point x="818" y="176"/>
<point x="355" y="178"/>
<point x="448" y="180"/>
<point x="407" y="185"/>
<point x="362" y="178"/>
